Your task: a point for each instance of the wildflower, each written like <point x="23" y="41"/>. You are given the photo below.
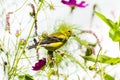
<point x="72" y="3"/>
<point x="82" y="4"/>
<point x="40" y="64"/>
<point x="8" y="21"/>
<point x="17" y="34"/>
<point x="22" y="42"/>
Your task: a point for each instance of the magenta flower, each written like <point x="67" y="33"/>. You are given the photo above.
<point x="72" y="3"/>
<point x="40" y="64"/>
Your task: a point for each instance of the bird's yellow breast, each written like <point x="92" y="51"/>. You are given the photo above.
<point x="53" y="46"/>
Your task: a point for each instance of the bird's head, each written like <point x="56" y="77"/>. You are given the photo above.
<point x="68" y="33"/>
<point x="66" y="29"/>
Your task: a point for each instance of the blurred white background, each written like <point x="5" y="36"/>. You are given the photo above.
<point x="48" y="18"/>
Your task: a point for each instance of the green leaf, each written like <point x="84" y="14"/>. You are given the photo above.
<point x="58" y="58"/>
<point x="114" y="32"/>
<point x="92" y="44"/>
<point x="89" y="58"/>
<point x="114" y="35"/>
<point x="118" y="23"/>
<point x="88" y="52"/>
<point x="31" y="14"/>
<point x="25" y="77"/>
<point x="109" y="22"/>
<point x="108" y="77"/>
<point x="103" y="59"/>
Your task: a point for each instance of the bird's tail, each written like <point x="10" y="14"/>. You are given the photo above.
<point x="31" y="47"/>
<point x="34" y="45"/>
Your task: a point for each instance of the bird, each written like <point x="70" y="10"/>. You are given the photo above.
<point x="55" y="40"/>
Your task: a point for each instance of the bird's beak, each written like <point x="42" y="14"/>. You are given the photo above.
<point x="73" y="35"/>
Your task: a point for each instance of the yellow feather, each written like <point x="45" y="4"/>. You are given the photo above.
<point x="58" y="35"/>
<point x="53" y="46"/>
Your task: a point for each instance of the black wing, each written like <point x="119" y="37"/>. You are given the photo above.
<point x="49" y="40"/>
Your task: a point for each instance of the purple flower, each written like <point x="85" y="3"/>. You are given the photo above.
<point x="40" y="64"/>
<point x="82" y="4"/>
<point x="72" y="3"/>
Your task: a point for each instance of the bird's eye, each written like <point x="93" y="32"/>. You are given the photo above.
<point x="69" y="31"/>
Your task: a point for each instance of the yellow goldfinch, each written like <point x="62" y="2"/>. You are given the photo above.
<point x="56" y="40"/>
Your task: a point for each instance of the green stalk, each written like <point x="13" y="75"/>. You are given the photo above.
<point x="16" y="54"/>
<point x="17" y="60"/>
<point x="20" y="6"/>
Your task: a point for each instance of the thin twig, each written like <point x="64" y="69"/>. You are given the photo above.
<point x="34" y="14"/>
<point x="92" y="16"/>
<point x="98" y="41"/>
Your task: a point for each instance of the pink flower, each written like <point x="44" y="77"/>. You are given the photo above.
<point x="40" y="64"/>
<point x="82" y="4"/>
<point x="72" y="3"/>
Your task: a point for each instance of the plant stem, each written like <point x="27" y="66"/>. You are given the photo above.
<point x="17" y="60"/>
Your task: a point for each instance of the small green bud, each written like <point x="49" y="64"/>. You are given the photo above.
<point x="92" y="67"/>
<point x="51" y="7"/>
<point x="44" y="35"/>
<point x="31" y="14"/>
<point x="22" y="42"/>
<point x="17" y="34"/>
